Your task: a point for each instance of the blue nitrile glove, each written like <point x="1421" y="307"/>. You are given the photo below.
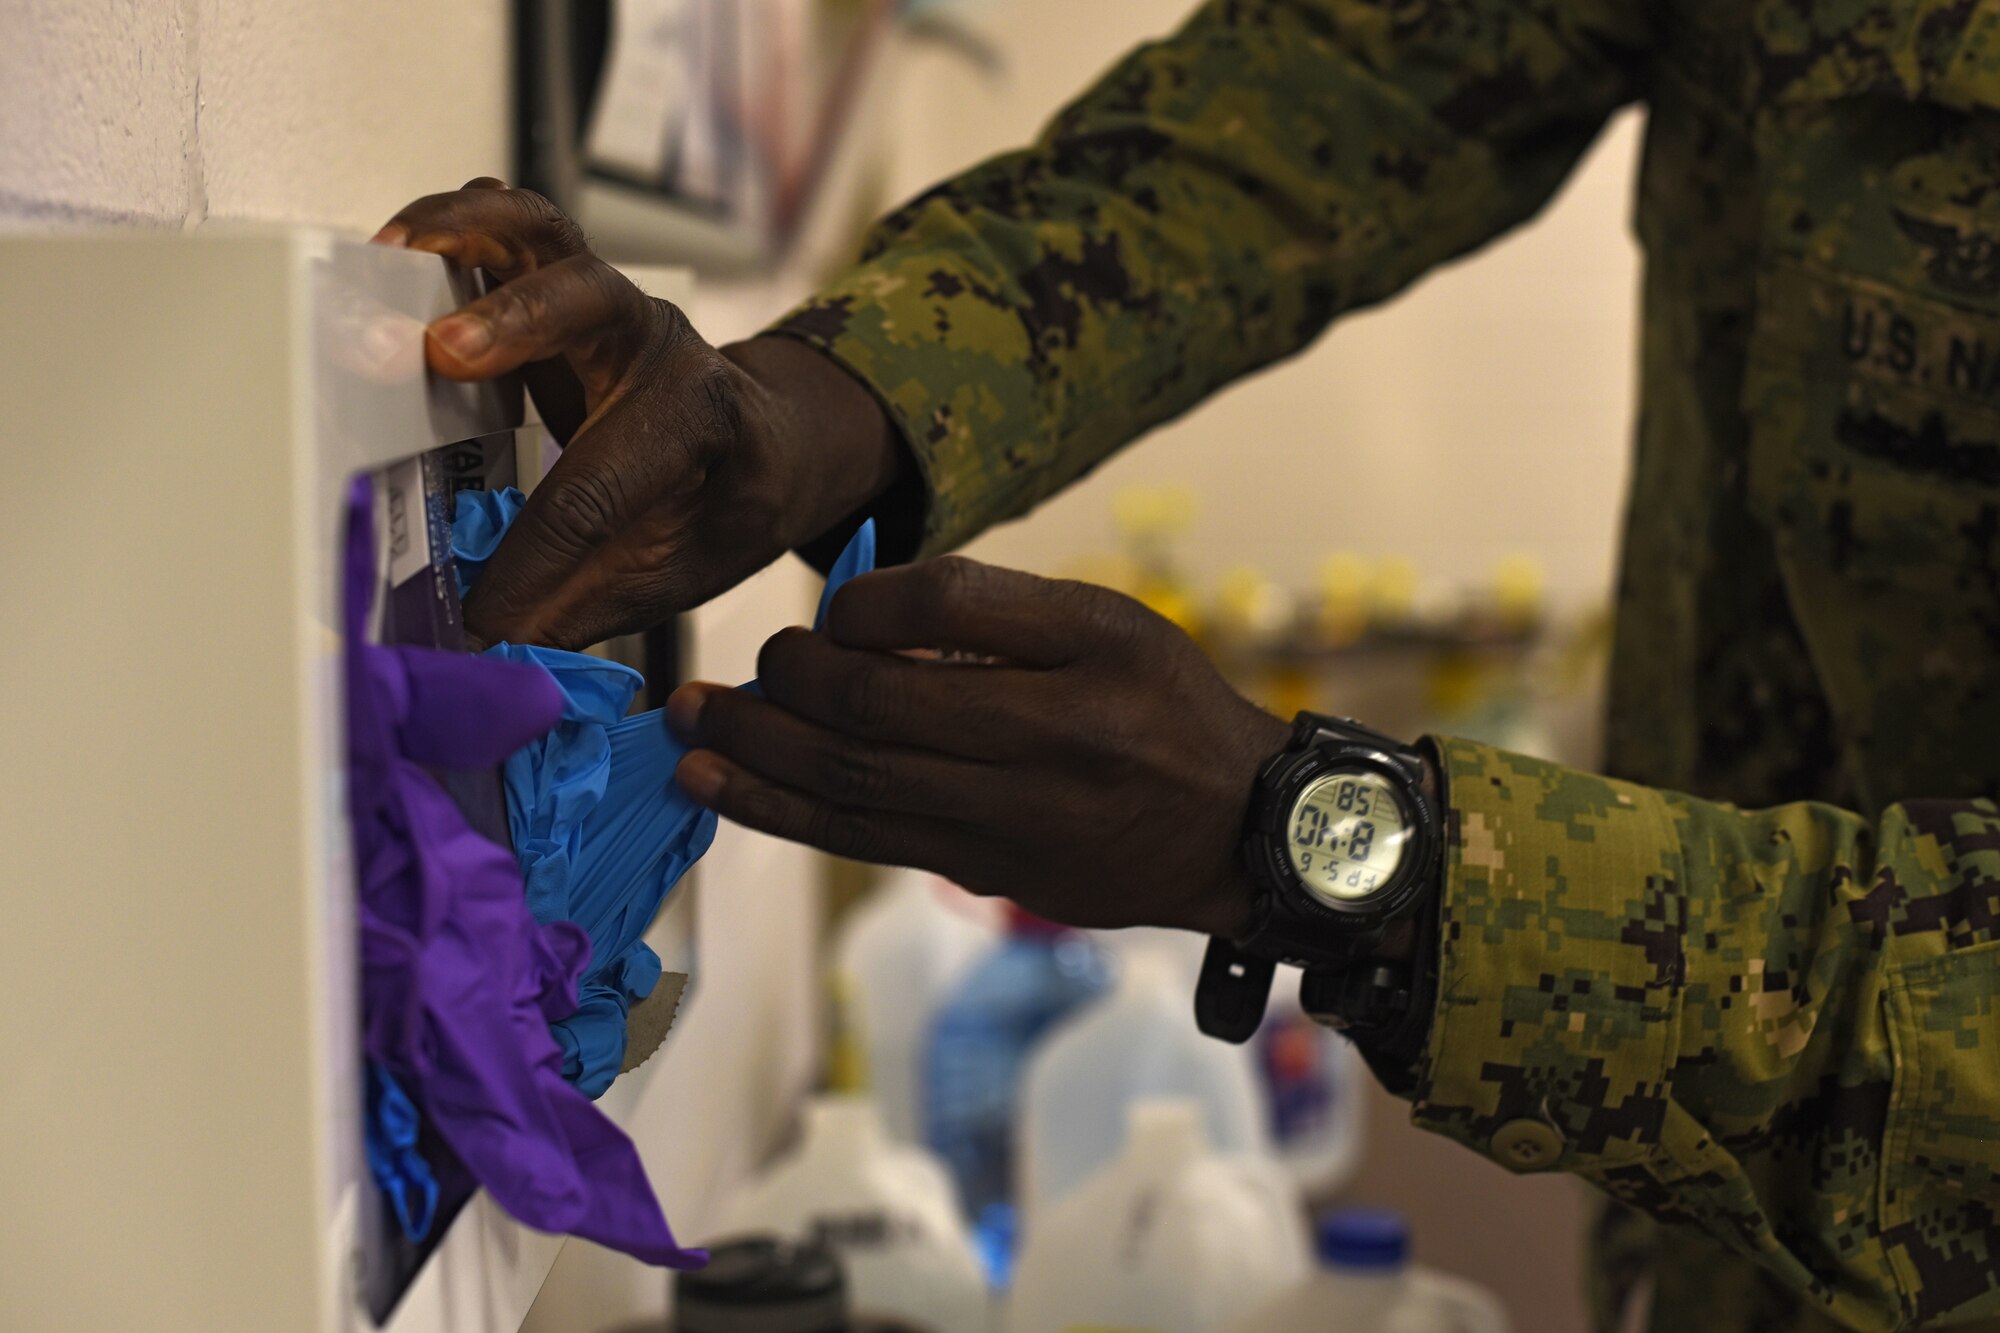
<point x="600" y="830"/>
<point x="389" y="1136"/>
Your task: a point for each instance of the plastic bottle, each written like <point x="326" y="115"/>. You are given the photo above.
<point x="897" y="959"/>
<point x="1169" y="1238"/>
<point x="1313" y="1086"/>
<point x="1366" y="1284"/>
<point x="1152" y="520"/>
<point x="1036" y="976"/>
<point x="1140" y="1042"/>
<point x="888" y="1210"/>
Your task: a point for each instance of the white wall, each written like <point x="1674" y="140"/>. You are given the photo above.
<point x="1486" y="412"/>
<point x="175" y="112"/>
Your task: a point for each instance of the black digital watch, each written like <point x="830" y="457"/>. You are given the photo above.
<point x="1342" y="841"/>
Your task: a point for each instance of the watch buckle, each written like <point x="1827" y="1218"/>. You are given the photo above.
<point x="1235" y="987"/>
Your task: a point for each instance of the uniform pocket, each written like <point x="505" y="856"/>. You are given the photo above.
<point x="1940" y="1172"/>
<point x="1874" y="459"/>
<point x="1875" y="427"/>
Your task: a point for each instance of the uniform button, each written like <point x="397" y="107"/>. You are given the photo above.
<point x="1527" y="1145"/>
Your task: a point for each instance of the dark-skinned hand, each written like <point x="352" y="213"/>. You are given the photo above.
<point x="686" y="467"/>
<point x="1091" y="764"/>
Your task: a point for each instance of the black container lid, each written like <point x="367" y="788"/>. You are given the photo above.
<point x="763" y="1285"/>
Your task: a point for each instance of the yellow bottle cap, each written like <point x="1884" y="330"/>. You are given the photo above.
<point x="1518" y="590"/>
<point x="1395" y="588"/>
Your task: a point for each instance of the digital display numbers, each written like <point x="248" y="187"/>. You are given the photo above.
<point x="1347" y="835"/>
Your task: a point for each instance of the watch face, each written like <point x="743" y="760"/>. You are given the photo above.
<point x="1348" y="835"/>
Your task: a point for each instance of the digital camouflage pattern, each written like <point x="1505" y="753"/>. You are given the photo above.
<point x="1775" y="1032"/>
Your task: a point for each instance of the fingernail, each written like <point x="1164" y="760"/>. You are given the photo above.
<point x="684" y="711"/>
<point x="393" y="233"/>
<point x="465" y="335"/>
<point x="700" y="776"/>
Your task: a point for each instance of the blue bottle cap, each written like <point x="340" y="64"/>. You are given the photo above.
<point x="1371" y="1239"/>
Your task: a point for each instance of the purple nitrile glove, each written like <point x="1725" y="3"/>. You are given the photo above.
<point x="459" y="981"/>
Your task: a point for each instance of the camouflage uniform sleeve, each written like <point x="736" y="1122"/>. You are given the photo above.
<point x="1206" y="209"/>
<point x="1779" y="1026"/>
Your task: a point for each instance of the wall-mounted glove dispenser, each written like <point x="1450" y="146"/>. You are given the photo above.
<point x="184" y="1089"/>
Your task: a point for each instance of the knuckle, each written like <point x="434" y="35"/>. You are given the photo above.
<point x="865" y="698"/>
<point x="760" y="807"/>
<point x="946" y="584"/>
<point x="1098" y="733"/>
<point x="556" y="231"/>
<point x="1113" y="621"/>
<point x="986" y="715"/>
<point x="952" y="579"/>
<point x="581" y="510"/>
<point x="517" y="308"/>
<point x="712" y="399"/>
<point x="611" y="291"/>
<point x="672" y="327"/>
<point x="852" y="776"/>
<point x="843" y="833"/>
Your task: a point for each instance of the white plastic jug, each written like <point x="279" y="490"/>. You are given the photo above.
<point x="889" y="1210"/>
<point x="1365" y="1283"/>
<point x="897" y="958"/>
<point x="1312" y="1085"/>
<point x="1141" y="1041"/>
<point x="1169" y="1238"/>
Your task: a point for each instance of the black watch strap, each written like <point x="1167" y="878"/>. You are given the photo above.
<point x="1384" y="1007"/>
<point x="1311" y="728"/>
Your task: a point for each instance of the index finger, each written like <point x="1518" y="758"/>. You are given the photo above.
<point x="955" y="603"/>
<point x="487" y="225"/>
<point x="980" y="712"/>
